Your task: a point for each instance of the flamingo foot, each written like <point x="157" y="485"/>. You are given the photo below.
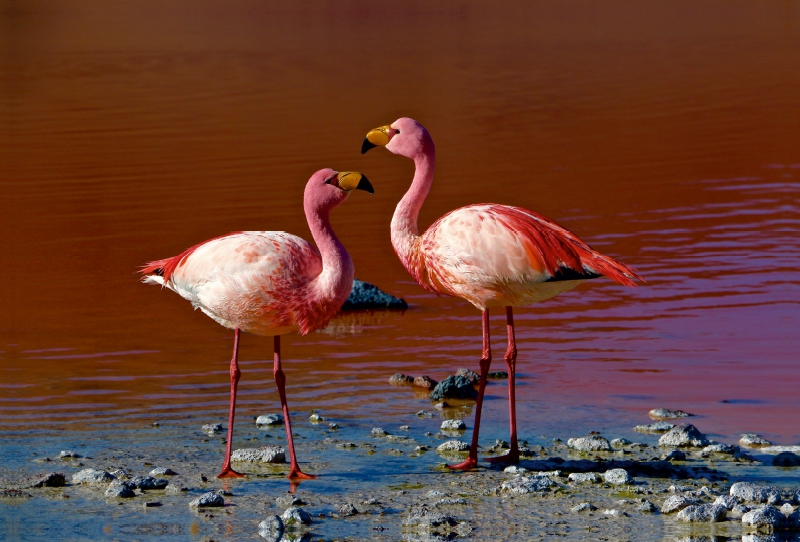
<point x="228" y="472"/>
<point x="297" y="474"/>
<point x="469" y="464"/>
<point x="511" y="458"/>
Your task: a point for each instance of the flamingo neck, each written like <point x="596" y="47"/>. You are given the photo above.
<point x="336" y="280"/>
<point x="405" y="232"/>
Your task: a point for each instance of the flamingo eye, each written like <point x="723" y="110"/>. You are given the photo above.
<point x="329" y="181"/>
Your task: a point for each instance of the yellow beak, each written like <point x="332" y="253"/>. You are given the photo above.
<point x="349" y="180"/>
<point x="378" y="136"/>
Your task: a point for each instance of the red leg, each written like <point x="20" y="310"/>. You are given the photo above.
<point x="511" y="361"/>
<point x="486" y="361"/>
<point x="227" y="471"/>
<point x="280" y="380"/>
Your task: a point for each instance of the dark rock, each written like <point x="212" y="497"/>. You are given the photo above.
<point x="148" y="482"/>
<point x="425" y="382"/>
<point x="454" y="387"/>
<point x="675" y="455"/>
<point x="786" y="459"/>
<point x="399" y="379"/>
<point x="473" y="377"/>
<point x="424" y="519"/>
<point x="368" y="296"/>
<point x="120" y="490"/>
<point x="51" y="479"/>
<point x="347" y="510"/>
<point x="14" y="494"/>
<point x="497" y="375"/>
<point x="212" y="428"/>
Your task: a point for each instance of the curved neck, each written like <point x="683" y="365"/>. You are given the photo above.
<point x="404" y="221"/>
<point x="337" y="267"/>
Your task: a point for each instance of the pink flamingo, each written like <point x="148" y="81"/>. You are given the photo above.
<point x="269" y="283"/>
<point x="491" y="255"/>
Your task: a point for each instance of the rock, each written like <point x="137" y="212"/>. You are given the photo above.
<point x="676" y="503"/>
<point x="51" y="479"/>
<point x="271" y="528"/>
<point x="589" y="444"/>
<point x="270" y="419"/>
<point x="584" y="477"/>
<point x="668" y="414"/>
<point x="674" y="455"/>
<point x="120" y="474"/>
<point x="148" y="482"/>
<point x="453" y="446"/>
<point x="69" y="454"/>
<point x="162" y="471"/>
<point x="450" y="502"/>
<point x="378" y="432"/>
<point x="454" y="425"/>
<point x="91" y="476"/>
<point x="296" y="516"/>
<point x="454" y="387"/>
<point x="647" y="506"/>
<point x="347" y="510"/>
<point x="678" y="489"/>
<point x="289" y="500"/>
<point x="316" y="418"/>
<point x="765" y="519"/>
<point x="424" y="414"/>
<point x="346" y="445"/>
<point x="793" y="519"/>
<point x="399" y="379"/>
<point x="425" y="382"/>
<point x="787" y="509"/>
<point x="751" y="493"/>
<point x="738" y="511"/>
<point x="175" y="489"/>
<point x="617" y="477"/>
<point x="473" y="377"/>
<point x="584" y="507"/>
<point x="786" y="459"/>
<point x="368" y="296"/>
<point x="497" y="375"/>
<point x="751" y="440"/>
<point x="212" y="428"/>
<point x="658" y="427"/>
<point x="614" y="513"/>
<point x="728" y="501"/>
<point x="14" y="494"/>
<point x="208" y="500"/>
<point x="404" y="428"/>
<point x="619" y="442"/>
<point x="522" y="485"/>
<point x="120" y="490"/>
<point x="333" y="425"/>
<point x="515" y="469"/>
<point x="422" y="518"/>
<point x="685" y="435"/>
<point x="263" y="454"/>
<point x="725" y="449"/>
<point x="706" y="513"/>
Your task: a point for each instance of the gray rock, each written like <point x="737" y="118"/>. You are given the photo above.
<point x="658" y="427"/>
<point x="347" y="510"/>
<point x="765" y="519"/>
<point x="120" y="490"/>
<point x="676" y="503"/>
<point x="515" y="469"/>
<point x="175" y="489"/>
<point x="119" y="474"/>
<point x="270" y="419"/>
<point x="271" y="528"/>
<point x="620" y="442"/>
<point x="685" y="435"/>
<point x="425" y="382"/>
<point x="316" y="418"/>
<point x="14" y="494"/>
<point x="378" y="432"/>
<point x="424" y="414"/>
<point x="589" y="444"/>
<point x="454" y="425"/>
<point x="399" y="379"/>
<point x="617" y="476"/>
<point x="346" y="445"/>
<point x="751" y="440"/>
<point x="263" y="454"/>
<point x="51" y="479"/>
<point x="724" y="449"/>
<point x="786" y="459"/>
<point x="289" y="500"/>
<point x="450" y="502"/>
<point x="453" y="446"/>
<point x="91" y="476"/>
<point x="208" y="500"/>
<point x="422" y="518"/>
<point x="368" y="296"/>
<point x="522" y="485"/>
<point x="212" y="428"/>
<point x="69" y="454"/>
<point x="584" y="477"/>
<point x="706" y="513"/>
<point x="668" y="414"/>
<point x="584" y="507"/>
<point x="738" y="511"/>
<point x="752" y="493"/>
<point x="162" y="471"/>
<point x="473" y="377"/>
<point x="728" y="501"/>
<point x="454" y="387"/>
<point x="648" y="507"/>
<point x="296" y="516"/>
<point x="148" y="482"/>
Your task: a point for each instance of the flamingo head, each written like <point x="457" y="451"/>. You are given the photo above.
<point x="404" y="136"/>
<point x="327" y="188"/>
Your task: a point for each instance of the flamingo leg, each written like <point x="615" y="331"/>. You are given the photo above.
<point x="280" y="381"/>
<point x="486" y="361"/>
<point x="227" y="471"/>
<point x="511" y="362"/>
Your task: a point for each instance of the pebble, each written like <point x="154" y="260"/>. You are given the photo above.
<point x="668" y="414"/>
<point x="51" y="479"/>
<point x="296" y="516"/>
<point x="706" y="513"/>
<point x="786" y="459"/>
<point x="364" y="295"/>
<point x="453" y="446"/>
<point x="212" y="428"/>
<point x="263" y="454"/>
<point x="424" y="414"/>
<point x="148" y="482"/>
<point x="270" y="419"/>
<point x="399" y="379"/>
<point x="162" y="471"/>
<point x="589" y="444"/>
<point x="316" y="418"/>
<point x="207" y="500"/>
<point x="676" y="503"/>
<point x="425" y="382"/>
<point x="120" y="490"/>
<point x="765" y="519"/>
<point x="69" y="454"/>
<point x="658" y="427"/>
<point x="617" y="477"/>
<point x="584" y="507"/>
<point x="684" y="435"/>
<point x="271" y="528"/>
<point x="91" y="476"/>
<point x="751" y="493"/>
<point x="378" y="432"/>
<point x="454" y="387"/>
<point x="752" y="440"/>
<point x="454" y="425"/>
<point x="522" y="485"/>
<point x="584" y="477"/>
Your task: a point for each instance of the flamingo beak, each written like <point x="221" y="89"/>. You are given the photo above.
<point x="349" y="180"/>
<point x="378" y="136"/>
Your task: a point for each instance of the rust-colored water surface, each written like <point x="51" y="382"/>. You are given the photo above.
<point x="663" y="134"/>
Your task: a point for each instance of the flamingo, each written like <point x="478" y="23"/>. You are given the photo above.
<point x="269" y="283"/>
<point x="488" y="254"/>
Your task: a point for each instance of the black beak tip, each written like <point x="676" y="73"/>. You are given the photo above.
<point x="365" y="185"/>
<point x="366" y="145"/>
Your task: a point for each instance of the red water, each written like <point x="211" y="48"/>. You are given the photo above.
<point x="665" y="135"/>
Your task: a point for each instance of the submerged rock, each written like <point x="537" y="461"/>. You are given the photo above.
<point x="399" y="379"/>
<point x="425" y="382"/>
<point x="658" y="427"/>
<point x="368" y="296"/>
<point x="422" y="518"/>
<point x="470" y="374"/>
<point x="668" y="414"/>
<point x="454" y="387"/>
<point x="752" y="493"/>
<point x="705" y="513"/>
<point x="752" y="440"/>
<point x="685" y="435"/>
<point x="296" y="516"/>
<point x="69" y="454"/>
<point x="208" y="500"/>
<point x="264" y="454"/>
<point x="589" y="444"/>
<point x="212" y="428"/>
<point x="675" y="455"/>
<point x="271" y="528"/>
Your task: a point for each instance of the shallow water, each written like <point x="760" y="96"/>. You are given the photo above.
<point x="664" y="136"/>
